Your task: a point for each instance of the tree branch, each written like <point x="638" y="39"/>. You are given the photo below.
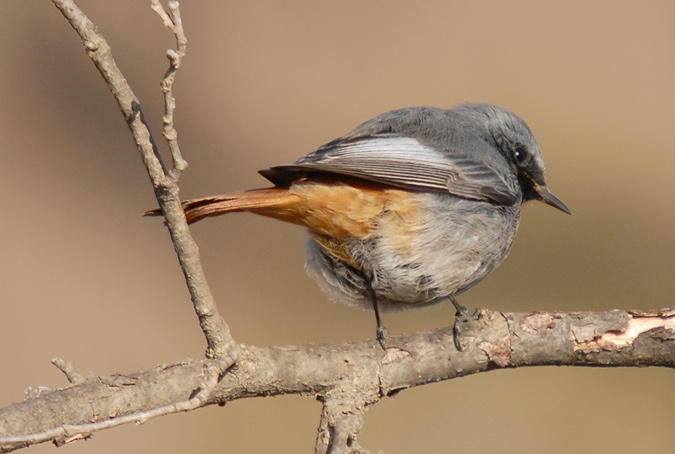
<point x="217" y="333"/>
<point x="350" y="377"/>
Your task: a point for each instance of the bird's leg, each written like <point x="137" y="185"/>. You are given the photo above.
<point x="381" y="333"/>
<point x="461" y="310"/>
<point x="460" y="314"/>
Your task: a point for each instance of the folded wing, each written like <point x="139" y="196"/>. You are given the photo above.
<point x="404" y="162"/>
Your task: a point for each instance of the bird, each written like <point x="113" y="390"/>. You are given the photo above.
<point x="411" y="208"/>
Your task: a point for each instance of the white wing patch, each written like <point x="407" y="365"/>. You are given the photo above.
<point x="403" y="159"/>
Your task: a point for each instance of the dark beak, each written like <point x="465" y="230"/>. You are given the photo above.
<point x="548" y="198"/>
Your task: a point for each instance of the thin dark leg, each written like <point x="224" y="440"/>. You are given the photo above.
<point x="381" y="332"/>
<point x="460" y="314"/>
<point x="461" y="310"/>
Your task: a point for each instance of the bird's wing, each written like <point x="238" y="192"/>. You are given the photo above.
<point x="405" y="162"/>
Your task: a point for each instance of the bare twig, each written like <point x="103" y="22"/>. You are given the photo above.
<point x="68" y="369"/>
<point x="173" y="22"/>
<point x="217" y="333"/>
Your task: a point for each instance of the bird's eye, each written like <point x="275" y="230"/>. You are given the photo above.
<point x="520" y="155"/>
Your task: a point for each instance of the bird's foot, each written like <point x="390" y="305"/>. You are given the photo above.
<point x="381" y="335"/>
<point x="461" y="316"/>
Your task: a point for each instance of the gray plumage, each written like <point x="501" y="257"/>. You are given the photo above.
<point x="469" y="169"/>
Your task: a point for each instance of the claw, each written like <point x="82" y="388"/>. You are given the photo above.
<point x="460" y="315"/>
<point x="382" y="335"/>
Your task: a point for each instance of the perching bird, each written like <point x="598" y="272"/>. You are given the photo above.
<point x="411" y="208"/>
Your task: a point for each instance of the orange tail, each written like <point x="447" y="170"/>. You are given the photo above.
<point x="267" y="202"/>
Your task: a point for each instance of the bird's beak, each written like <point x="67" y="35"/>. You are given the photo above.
<point x="548" y="198"/>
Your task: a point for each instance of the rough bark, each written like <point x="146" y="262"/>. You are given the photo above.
<point x="350" y="377"/>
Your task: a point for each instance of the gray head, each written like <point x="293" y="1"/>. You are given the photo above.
<point x="517" y="144"/>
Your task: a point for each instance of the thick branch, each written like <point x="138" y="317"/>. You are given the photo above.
<point x="216" y="331"/>
<point x="360" y="370"/>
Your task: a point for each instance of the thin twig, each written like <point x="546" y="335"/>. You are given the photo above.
<point x="68" y="369"/>
<point x="217" y="333"/>
<point x="172" y="20"/>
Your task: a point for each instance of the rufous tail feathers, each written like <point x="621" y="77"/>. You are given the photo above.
<point x="266" y="202"/>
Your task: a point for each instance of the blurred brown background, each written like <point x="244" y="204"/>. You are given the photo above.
<point x="85" y="277"/>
